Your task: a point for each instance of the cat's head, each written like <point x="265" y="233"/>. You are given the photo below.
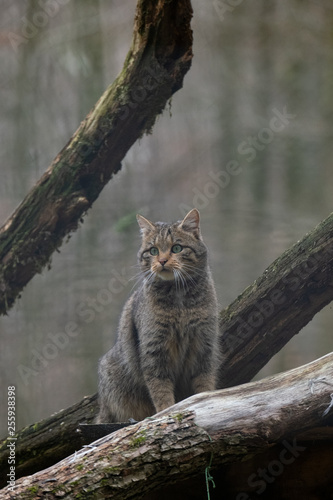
<point x="172" y="251"/>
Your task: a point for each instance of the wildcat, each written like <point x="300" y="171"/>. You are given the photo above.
<point x="168" y="333"/>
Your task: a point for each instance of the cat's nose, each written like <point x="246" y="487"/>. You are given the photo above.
<point x="163" y="261"/>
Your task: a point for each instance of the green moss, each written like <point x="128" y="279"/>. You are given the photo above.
<point x="139" y="440"/>
<point x="104" y="482"/>
<point x="74" y="483"/>
<point x="179" y="417"/>
<point x="32" y="491"/>
<point x="84" y="496"/>
<point x="79" y="466"/>
<point x="112" y="470"/>
<point x="60" y="488"/>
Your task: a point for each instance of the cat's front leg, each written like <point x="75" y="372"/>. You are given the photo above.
<point x="161" y="392"/>
<point x="155" y="365"/>
<point x="204" y="377"/>
<point x="204" y="382"/>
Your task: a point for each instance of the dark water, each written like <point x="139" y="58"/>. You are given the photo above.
<point x="248" y="141"/>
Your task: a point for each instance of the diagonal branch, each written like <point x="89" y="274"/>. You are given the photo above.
<point x="153" y="71"/>
<point x="277" y="306"/>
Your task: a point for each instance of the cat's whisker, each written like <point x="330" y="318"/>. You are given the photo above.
<point x="179" y="280"/>
<point x="194" y="271"/>
<point x="175" y="273"/>
<point x="137" y="275"/>
<point x="188" y="278"/>
<point x="149" y="280"/>
<point x="184" y="281"/>
<point x="137" y="270"/>
<point x="186" y="265"/>
<point x="142" y="276"/>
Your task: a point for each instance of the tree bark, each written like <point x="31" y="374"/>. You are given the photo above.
<point x="154" y="69"/>
<point x="43" y="444"/>
<point x="209" y="429"/>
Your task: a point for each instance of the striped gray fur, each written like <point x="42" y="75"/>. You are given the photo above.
<point x="167" y="345"/>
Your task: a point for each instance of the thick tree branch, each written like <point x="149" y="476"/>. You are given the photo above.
<point x="154" y="69"/>
<point x="277" y="306"/>
<point x="178" y="443"/>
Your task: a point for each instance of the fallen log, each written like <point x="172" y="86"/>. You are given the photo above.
<point x="205" y="431"/>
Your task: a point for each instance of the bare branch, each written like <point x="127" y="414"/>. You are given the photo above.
<point x="154" y="69"/>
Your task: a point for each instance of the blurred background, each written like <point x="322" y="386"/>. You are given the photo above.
<point x="248" y="141"/>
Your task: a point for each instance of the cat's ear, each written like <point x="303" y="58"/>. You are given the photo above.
<point x="191" y="222"/>
<point x="145" y="224"/>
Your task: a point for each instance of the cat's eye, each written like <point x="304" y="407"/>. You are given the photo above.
<point x="154" y="251"/>
<point x="176" y="248"/>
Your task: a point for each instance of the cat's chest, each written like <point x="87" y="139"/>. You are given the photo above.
<point x="177" y="332"/>
<point x="180" y="339"/>
<point x="171" y="322"/>
<point x="172" y="331"/>
<point x="175" y="319"/>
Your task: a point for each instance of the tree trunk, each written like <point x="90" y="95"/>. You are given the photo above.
<point x="154" y="69"/>
<point x="209" y="429"/>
